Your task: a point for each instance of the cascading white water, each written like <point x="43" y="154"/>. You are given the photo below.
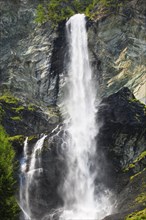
<point x="23" y="167"/>
<point x="78" y="188"/>
<point x="28" y="175"/>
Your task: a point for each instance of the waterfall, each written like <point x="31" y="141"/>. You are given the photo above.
<point x="84" y="197"/>
<point x="30" y="171"/>
<point x="78" y="190"/>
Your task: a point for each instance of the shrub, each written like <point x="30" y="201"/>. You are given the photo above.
<point x="8" y="205"/>
<point x="60" y="10"/>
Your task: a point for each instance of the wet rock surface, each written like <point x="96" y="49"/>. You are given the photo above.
<point x="122" y="137"/>
<point x="123" y="131"/>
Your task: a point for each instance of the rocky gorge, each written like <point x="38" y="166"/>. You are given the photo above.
<point x="32" y="76"/>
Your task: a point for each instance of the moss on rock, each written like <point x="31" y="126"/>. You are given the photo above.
<point x="18" y="109"/>
<point x="140" y="215"/>
<point x="141" y="198"/>
<point x="137" y="160"/>
<point x="32" y="139"/>
<point x="17" y="142"/>
<point x="2" y="112"/>
<point x="8" y="98"/>
<point x="16" y="118"/>
<point x="137" y="174"/>
<point x="17" y="138"/>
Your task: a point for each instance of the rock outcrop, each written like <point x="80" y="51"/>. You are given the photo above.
<point x="31" y="55"/>
<point x="118" y="49"/>
<point x="122" y="137"/>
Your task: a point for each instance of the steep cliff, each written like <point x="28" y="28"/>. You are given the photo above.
<point x="32" y="56"/>
<point x="118" y="49"/>
<point x="122" y="137"/>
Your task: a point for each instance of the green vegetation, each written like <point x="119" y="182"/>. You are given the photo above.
<point x="31" y="107"/>
<point x="141" y="198"/>
<point x="2" y="112"/>
<point x="17" y="139"/>
<point x="18" y="109"/>
<point x="32" y="138"/>
<point x="8" y="205"/>
<point x="16" y="118"/>
<point x="141" y="215"/>
<point x="8" y="98"/>
<point x="137" y="174"/>
<point x="60" y="10"/>
<point x="138" y="159"/>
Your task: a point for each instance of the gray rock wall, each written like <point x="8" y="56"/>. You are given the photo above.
<point x="32" y="56"/>
<point x="26" y="53"/>
<point x="117" y="45"/>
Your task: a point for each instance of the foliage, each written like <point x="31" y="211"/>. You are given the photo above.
<point x="141" y="198"/>
<point x="8" y="98"/>
<point x="60" y="10"/>
<point x="138" y="159"/>
<point x="8" y="205"/>
<point x="31" y="107"/>
<point x="137" y="174"/>
<point x="18" y="109"/>
<point x="16" y="139"/>
<point x="141" y="215"/>
<point x="16" y="118"/>
<point x="1" y="113"/>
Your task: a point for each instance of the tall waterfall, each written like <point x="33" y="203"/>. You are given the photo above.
<point x="78" y="189"/>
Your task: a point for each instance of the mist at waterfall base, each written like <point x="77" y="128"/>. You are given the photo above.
<point x="82" y="198"/>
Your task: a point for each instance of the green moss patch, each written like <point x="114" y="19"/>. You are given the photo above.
<point x="137" y="174"/>
<point x="141" y="198"/>
<point x="137" y="160"/>
<point x="31" y="107"/>
<point x="18" y="109"/>
<point x="18" y="138"/>
<point x="16" y="118"/>
<point x="32" y="139"/>
<point x="9" y="99"/>
<point x="2" y="113"/>
<point x="140" y="215"/>
<point x="140" y="157"/>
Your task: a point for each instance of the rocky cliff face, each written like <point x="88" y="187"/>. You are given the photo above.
<point x="31" y="56"/>
<point x="118" y="49"/>
<point x="122" y="137"/>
